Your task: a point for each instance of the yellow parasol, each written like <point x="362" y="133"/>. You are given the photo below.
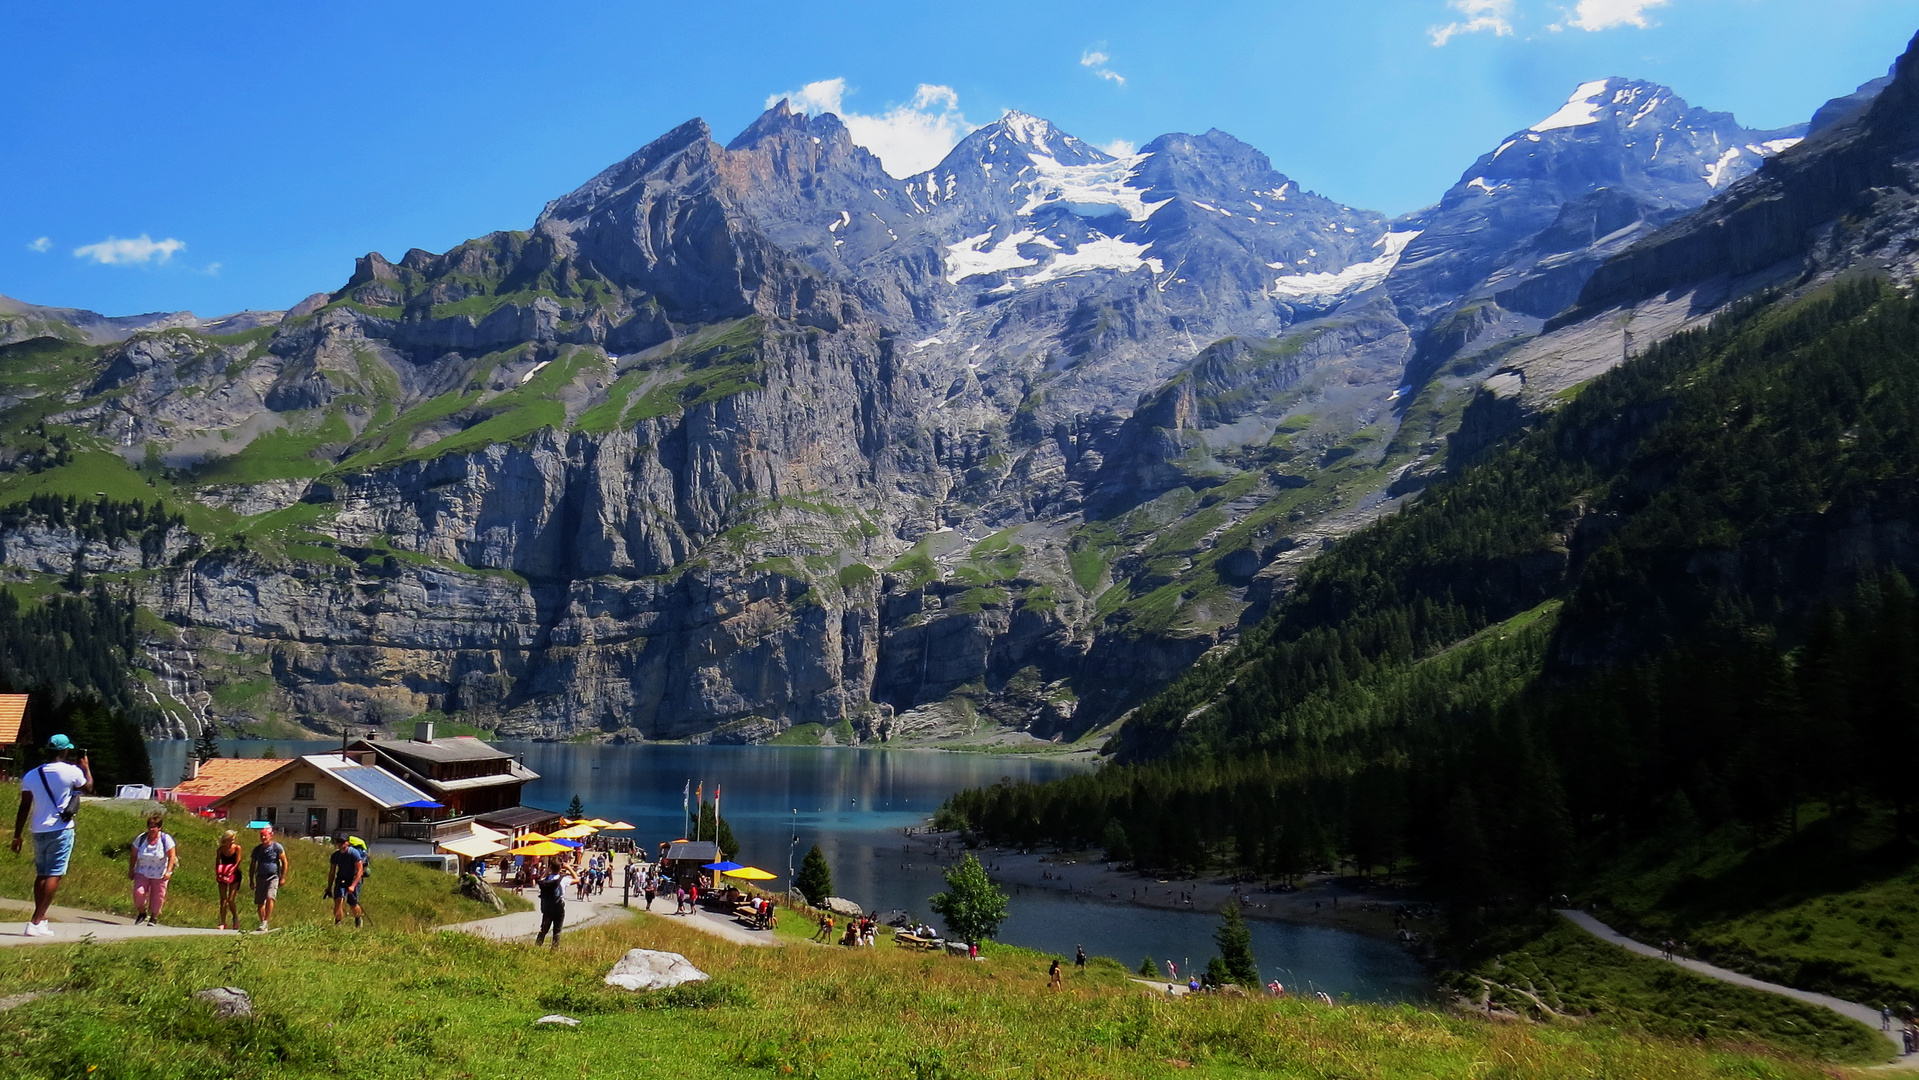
<point x="531" y="838"/>
<point x="749" y="873"/>
<point x="618" y="826"/>
<point x="598" y="822"/>
<point x="544" y="847"/>
<point x="573" y="832"/>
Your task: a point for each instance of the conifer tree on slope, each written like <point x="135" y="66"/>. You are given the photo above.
<point x="815" y="879"/>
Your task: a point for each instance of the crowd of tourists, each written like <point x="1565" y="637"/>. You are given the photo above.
<point x="49" y="803"/>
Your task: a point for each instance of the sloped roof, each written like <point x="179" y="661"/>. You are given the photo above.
<point x="224" y="776"/>
<point x="705" y="851"/>
<point x="13" y="713"/>
<point x="372" y="781"/>
<point x="518" y="817"/>
<point x="450" y="748"/>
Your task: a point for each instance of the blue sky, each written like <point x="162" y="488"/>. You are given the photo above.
<point x="242" y="155"/>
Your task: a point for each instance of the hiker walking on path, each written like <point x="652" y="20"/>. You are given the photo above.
<point x="150" y="865"/>
<point x="348" y="869"/>
<point x="269" y="870"/>
<point x="553" y="902"/>
<point x="226" y="874"/>
<point x="49" y="795"/>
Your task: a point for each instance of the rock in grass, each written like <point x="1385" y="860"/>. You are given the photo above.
<point x="839" y="905"/>
<point x="647" y="969"/>
<point x="474" y="888"/>
<point x="229" y="1002"/>
<point x="556" y="1018"/>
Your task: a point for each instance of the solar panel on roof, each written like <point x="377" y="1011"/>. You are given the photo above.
<point x="378" y="784"/>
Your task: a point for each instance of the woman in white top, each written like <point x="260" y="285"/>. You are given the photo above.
<point x="151" y="864"/>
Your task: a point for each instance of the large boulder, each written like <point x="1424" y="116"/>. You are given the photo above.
<point x="839" y="905"/>
<point x="474" y="887"/>
<point x="647" y="969"/>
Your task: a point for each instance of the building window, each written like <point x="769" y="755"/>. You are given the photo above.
<point x="349" y="818"/>
<point x="268" y="814"/>
<point x="303" y="792"/>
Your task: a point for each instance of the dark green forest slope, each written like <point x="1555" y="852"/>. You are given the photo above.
<point x="1682" y="601"/>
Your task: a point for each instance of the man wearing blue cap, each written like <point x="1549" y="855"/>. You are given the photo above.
<point x="50" y="795"/>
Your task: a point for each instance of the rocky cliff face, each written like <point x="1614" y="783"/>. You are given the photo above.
<point x="741" y="437"/>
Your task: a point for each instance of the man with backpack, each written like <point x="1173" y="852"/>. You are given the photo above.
<point x="553" y="901"/>
<point x="50" y="796"/>
<point x="346" y="871"/>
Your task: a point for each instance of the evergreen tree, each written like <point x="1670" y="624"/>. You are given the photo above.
<point x="972" y="906"/>
<point x="576" y="809"/>
<point x="269" y="753"/>
<point x="1118" y="848"/>
<point x="205" y="749"/>
<point x="1235" y="943"/>
<point x="1148" y="969"/>
<point x="815" y="879"/>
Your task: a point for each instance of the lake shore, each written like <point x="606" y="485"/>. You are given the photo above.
<point x="1319" y="899"/>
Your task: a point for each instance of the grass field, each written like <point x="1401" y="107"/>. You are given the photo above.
<point x="1833" y="907"/>
<point x="392" y="1004"/>
<point x="1550" y="971"/>
<point x="397" y="895"/>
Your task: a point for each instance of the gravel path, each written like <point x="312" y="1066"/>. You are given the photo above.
<point x="1851" y="1010"/>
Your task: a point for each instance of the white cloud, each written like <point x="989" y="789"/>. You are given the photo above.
<point x="1120" y="147"/>
<point x="1594" y="15"/>
<point x="907" y="139"/>
<point x="1096" y="59"/>
<point x="140" y="250"/>
<point x="42" y="245"/>
<point x="1480" y="16"/>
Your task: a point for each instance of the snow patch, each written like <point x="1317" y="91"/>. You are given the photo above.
<point x="1780" y="146"/>
<point x="1090" y="191"/>
<point x="1503" y="147"/>
<point x="977" y="255"/>
<point x="1716" y="172"/>
<point x="524" y="379"/>
<point x="1579" y="110"/>
<point x="1106" y="253"/>
<point x="1325" y="290"/>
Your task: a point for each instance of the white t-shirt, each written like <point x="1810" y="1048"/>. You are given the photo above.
<point x="61" y="780"/>
<point x="150" y="860"/>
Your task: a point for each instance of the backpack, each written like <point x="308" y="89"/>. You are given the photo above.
<point x="358" y="847"/>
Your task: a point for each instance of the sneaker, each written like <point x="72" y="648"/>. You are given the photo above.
<point x="356" y="922"/>
<point x="263" y="926"/>
<point x="39" y="929"/>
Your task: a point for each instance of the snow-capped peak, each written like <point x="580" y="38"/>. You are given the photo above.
<point x="1579" y="110"/>
<point x="1029" y="130"/>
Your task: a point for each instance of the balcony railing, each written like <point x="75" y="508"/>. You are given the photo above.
<point x="430" y="832"/>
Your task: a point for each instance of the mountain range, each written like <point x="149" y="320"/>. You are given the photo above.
<point x="737" y="440"/>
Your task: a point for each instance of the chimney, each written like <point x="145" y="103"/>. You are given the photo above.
<point x="423" y="731"/>
<point x="193" y="767"/>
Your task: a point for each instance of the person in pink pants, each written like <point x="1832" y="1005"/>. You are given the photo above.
<point x="150" y="864"/>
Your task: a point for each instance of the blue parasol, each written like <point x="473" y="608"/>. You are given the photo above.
<point x="421" y="804"/>
<point x="723" y="867"/>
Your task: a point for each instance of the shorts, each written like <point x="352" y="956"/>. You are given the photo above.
<point x="341" y="892"/>
<point x="266" y="888"/>
<point x="51" y="852"/>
